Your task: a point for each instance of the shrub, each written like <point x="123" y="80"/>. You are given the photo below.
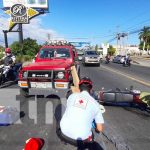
<point x="23" y="58"/>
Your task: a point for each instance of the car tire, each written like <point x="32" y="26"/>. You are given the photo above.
<point x="24" y="92"/>
<point x="1" y="79"/>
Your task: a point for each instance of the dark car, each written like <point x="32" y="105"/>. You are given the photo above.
<point x="91" y="57"/>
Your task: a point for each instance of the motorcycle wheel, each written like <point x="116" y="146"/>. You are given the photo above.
<point x="2" y="81"/>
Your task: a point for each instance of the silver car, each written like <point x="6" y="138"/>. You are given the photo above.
<point x="91" y="57"/>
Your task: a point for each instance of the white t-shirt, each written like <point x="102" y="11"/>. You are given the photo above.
<point x="81" y="110"/>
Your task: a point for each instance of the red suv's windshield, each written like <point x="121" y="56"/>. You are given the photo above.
<point x="54" y="53"/>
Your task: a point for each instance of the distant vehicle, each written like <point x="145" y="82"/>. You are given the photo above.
<point x="91" y="57"/>
<point x="118" y="59"/>
<point x="80" y="54"/>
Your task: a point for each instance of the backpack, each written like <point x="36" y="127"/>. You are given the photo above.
<point x="8" y="60"/>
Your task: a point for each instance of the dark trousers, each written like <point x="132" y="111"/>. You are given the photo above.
<point x="80" y="144"/>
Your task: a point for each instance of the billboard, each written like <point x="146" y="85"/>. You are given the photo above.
<point x="28" y="3"/>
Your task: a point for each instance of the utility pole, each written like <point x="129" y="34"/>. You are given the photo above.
<point x="117" y="38"/>
<point x="49" y="36"/>
<point x="127" y="43"/>
<point x="123" y="49"/>
<point x="20" y="33"/>
<point x="5" y="38"/>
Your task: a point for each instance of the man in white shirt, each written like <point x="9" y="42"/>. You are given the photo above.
<point x="81" y="110"/>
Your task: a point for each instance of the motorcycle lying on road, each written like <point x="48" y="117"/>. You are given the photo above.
<point x="9" y="74"/>
<point x="127" y="97"/>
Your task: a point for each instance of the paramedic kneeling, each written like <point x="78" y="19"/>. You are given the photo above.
<point x="81" y="110"/>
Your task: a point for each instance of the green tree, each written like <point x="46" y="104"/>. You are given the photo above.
<point x="144" y="36"/>
<point x="16" y="48"/>
<point x="111" y="50"/>
<point x="1" y="51"/>
<point x="30" y="47"/>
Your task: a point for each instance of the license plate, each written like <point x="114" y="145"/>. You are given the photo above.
<point x="41" y="85"/>
<point x="93" y="61"/>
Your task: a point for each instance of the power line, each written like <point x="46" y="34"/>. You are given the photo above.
<point x="148" y="20"/>
<point x="137" y="16"/>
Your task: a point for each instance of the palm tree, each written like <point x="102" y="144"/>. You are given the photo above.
<point x="144" y="35"/>
<point x="148" y="41"/>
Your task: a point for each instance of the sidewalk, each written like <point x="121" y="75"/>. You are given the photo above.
<point x="141" y="60"/>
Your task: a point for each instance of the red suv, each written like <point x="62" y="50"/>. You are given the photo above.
<point x="51" y="71"/>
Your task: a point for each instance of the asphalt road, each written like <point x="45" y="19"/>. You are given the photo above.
<point x="125" y="128"/>
<point x="111" y="76"/>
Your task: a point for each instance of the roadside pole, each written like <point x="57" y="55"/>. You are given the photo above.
<point x="117" y="45"/>
<point x="5" y="38"/>
<point x="117" y="39"/>
<point x="20" y="34"/>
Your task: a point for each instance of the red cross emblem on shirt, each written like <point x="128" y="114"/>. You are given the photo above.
<point x="81" y="101"/>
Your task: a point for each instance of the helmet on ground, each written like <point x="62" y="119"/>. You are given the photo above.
<point x="7" y="50"/>
<point x="85" y="80"/>
<point x="34" y="144"/>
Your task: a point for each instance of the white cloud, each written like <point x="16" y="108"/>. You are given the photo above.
<point x="3" y="26"/>
<point x="33" y="30"/>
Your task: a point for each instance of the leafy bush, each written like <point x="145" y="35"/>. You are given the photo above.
<point x="30" y="47"/>
<point x="23" y="58"/>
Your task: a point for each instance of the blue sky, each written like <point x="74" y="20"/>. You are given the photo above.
<point x="96" y="20"/>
